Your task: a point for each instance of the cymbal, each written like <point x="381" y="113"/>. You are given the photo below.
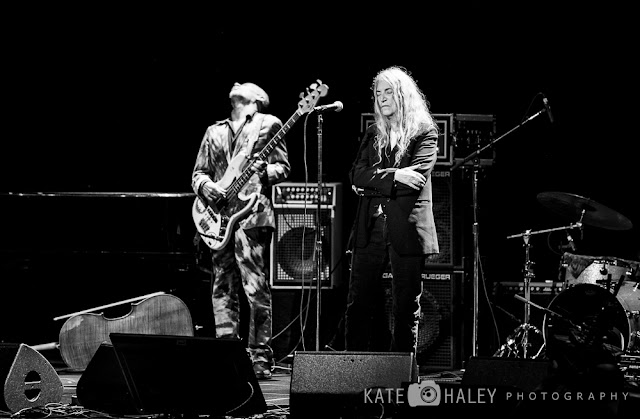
<point x="595" y="214"/>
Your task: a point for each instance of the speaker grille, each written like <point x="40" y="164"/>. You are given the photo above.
<point x="438" y="342"/>
<point x="349" y="372"/>
<point x="435" y="334"/>
<point x="295" y="246"/>
<point x="332" y="384"/>
<point x="442" y="188"/>
<point x="293" y="250"/>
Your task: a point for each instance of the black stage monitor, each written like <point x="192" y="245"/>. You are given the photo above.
<point x="169" y="374"/>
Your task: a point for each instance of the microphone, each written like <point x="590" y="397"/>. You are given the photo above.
<point x="548" y="108"/>
<point x="335" y="106"/>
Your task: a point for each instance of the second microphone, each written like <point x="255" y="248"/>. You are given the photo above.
<point x="335" y="106"/>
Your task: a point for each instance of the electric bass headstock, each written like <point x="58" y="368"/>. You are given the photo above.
<point x="313" y="94"/>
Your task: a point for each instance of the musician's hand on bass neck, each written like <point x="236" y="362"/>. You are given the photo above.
<point x="259" y="166"/>
<point x="212" y="190"/>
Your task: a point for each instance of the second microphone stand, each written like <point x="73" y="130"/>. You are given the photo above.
<point x="476" y="250"/>
<point x="318" y="248"/>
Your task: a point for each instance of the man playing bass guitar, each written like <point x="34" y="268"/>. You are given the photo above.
<point x="241" y="255"/>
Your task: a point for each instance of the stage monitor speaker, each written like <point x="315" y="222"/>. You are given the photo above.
<point x="29" y="379"/>
<point x="103" y="387"/>
<point x="293" y="249"/>
<point x="439" y="344"/>
<point x="331" y="382"/>
<point x="172" y="375"/>
<point x="514" y="373"/>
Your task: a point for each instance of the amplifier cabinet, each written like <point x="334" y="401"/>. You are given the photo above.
<point x="442" y="183"/>
<point x="293" y="249"/>
<point x="472" y="132"/>
<point x="444" y="121"/>
<point x="440" y="333"/>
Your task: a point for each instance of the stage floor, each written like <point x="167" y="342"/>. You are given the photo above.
<point x="482" y="376"/>
<point x="275" y="392"/>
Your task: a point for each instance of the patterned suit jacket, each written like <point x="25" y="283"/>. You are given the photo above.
<point x="217" y="148"/>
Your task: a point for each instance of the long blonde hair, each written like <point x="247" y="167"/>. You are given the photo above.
<point x="413" y="113"/>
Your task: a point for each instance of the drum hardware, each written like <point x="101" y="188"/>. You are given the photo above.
<point x="506" y="312"/>
<point x="553" y="313"/>
<point x="616" y="288"/>
<point x="520" y="336"/>
<point x="510" y="349"/>
<point x="548" y="230"/>
<point x="521" y="333"/>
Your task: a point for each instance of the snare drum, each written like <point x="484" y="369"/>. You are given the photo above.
<point x="607" y="273"/>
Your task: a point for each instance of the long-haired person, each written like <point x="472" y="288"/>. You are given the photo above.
<point x="394" y="221"/>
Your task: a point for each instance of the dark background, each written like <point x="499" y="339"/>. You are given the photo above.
<point x="118" y="100"/>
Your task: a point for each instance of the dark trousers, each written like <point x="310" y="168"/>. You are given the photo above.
<point x="365" y="319"/>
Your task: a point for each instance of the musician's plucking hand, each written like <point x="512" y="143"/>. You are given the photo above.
<point x="212" y="190"/>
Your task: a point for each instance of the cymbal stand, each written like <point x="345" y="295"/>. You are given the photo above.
<point x="521" y="333"/>
<point x="528" y="276"/>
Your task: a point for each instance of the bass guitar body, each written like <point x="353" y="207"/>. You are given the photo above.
<point x="215" y="221"/>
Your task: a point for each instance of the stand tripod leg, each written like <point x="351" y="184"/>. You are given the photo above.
<point x="518" y="343"/>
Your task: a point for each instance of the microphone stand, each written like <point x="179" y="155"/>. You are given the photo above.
<point x="476" y="250"/>
<point x="318" y="249"/>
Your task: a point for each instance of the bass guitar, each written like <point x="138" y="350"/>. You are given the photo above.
<point x="215" y="219"/>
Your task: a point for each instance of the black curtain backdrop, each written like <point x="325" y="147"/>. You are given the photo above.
<point x="118" y="100"/>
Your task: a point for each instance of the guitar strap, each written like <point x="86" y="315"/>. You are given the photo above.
<point x="234" y="147"/>
<point x="251" y="136"/>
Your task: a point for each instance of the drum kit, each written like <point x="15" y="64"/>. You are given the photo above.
<point x="596" y="315"/>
